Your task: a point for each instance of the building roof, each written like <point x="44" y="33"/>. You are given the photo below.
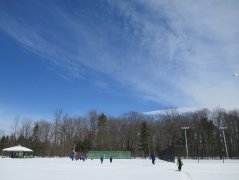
<point x="18" y="148"/>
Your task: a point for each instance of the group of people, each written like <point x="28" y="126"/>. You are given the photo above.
<point x="153" y="157"/>
<point x="83" y="157"/>
<point x="78" y="157"/>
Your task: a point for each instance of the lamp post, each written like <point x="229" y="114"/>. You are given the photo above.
<point x="186" y="141"/>
<point x="225" y="143"/>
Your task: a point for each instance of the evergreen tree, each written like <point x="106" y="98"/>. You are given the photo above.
<point x="4" y="142"/>
<point x="144" y="138"/>
<point x="35" y="138"/>
<point x="208" y="131"/>
<point x="102" y="127"/>
<point x="22" y="140"/>
<point x="83" y="146"/>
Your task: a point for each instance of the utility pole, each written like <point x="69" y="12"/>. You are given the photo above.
<point x="225" y="143"/>
<point x="186" y="141"/>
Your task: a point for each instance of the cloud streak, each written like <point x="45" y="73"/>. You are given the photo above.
<point x="178" y="53"/>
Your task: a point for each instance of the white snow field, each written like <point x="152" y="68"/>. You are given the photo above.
<point x="138" y="169"/>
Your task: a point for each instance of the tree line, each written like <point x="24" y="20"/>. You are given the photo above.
<point x="132" y="131"/>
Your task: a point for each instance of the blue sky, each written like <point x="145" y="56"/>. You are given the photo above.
<point x="116" y="56"/>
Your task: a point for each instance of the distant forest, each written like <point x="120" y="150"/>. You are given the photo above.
<point x="132" y="131"/>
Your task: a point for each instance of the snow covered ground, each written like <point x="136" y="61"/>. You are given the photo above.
<point x="139" y="169"/>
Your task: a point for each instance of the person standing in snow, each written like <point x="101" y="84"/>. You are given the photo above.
<point x="153" y="158"/>
<point x="101" y="159"/>
<point x="72" y="157"/>
<point x="179" y="163"/>
<point x="111" y="159"/>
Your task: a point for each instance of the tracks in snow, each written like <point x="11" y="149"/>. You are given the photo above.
<point x="187" y="176"/>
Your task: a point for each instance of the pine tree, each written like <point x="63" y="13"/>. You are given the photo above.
<point x="35" y="138"/>
<point x="144" y="138"/>
<point x="102" y="127"/>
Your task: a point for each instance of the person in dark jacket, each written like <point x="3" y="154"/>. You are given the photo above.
<point x="101" y="159"/>
<point x="72" y="157"/>
<point x="111" y="159"/>
<point x="179" y="163"/>
<point x="153" y="158"/>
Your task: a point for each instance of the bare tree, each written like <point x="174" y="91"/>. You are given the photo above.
<point x="92" y="118"/>
<point x="15" y="129"/>
<point x="26" y="128"/>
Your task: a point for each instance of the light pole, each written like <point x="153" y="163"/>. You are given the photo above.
<point x="225" y="143"/>
<point x="186" y="141"/>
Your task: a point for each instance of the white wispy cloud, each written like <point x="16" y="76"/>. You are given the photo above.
<point x="181" y="53"/>
<point x="202" y="39"/>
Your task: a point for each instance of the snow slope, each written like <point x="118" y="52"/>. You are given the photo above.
<point x="140" y="169"/>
